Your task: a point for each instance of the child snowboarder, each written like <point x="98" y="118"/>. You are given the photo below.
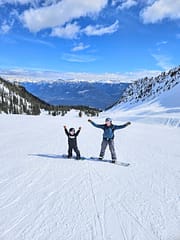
<point x="108" y="136"/>
<point x="72" y="142"/>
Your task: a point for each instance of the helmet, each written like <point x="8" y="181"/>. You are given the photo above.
<point x="108" y="120"/>
<point x="71" y="130"/>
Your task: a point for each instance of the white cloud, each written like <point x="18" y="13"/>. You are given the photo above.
<point x="124" y="4"/>
<point x="99" y="30"/>
<point x="60" y="13"/>
<point x="22" y="2"/>
<point x="70" y="31"/>
<point x="78" y="58"/>
<point x="80" y="47"/>
<point x="6" y="27"/>
<point x="127" y="4"/>
<point x="37" y="75"/>
<point x="163" y="61"/>
<point x="161" y="9"/>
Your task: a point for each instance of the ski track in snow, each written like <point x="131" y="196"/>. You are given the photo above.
<point x="45" y="197"/>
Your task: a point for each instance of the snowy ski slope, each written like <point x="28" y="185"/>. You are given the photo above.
<point x="163" y="109"/>
<point x="45" y="197"/>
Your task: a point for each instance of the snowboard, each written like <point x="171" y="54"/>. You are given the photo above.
<point x="73" y="157"/>
<point x="123" y="164"/>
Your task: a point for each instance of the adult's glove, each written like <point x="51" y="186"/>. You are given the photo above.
<point x="89" y="120"/>
<point x="128" y="123"/>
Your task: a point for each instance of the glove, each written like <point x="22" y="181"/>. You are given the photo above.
<point x="65" y="127"/>
<point x="80" y="128"/>
<point x="128" y="123"/>
<point x="89" y="120"/>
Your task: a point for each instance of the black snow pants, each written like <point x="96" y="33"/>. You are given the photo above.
<point x="73" y="147"/>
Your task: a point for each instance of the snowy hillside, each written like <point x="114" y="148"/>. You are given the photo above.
<point x="94" y="94"/>
<point x="43" y="196"/>
<point x="14" y="99"/>
<point x="155" y="100"/>
<point x="149" y="88"/>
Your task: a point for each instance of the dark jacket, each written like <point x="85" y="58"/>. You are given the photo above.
<point x="72" y="139"/>
<point x="108" y="131"/>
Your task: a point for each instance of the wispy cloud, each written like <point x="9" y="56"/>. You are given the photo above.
<point x="80" y="47"/>
<point x="162" y="43"/>
<point x="70" y="31"/>
<point x="127" y="4"/>
<point x="163" y="61"/>
<point x="20" y="2"/>
<point x="99" y="30"/>
<point x="78" y="58"/>
<point x="36" y="75"/>
<point x="6" y="27"/>
<point x="73" y="30"/>
<point x="36" y="41"/>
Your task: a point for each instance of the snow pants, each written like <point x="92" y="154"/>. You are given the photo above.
<point x="104" y="145"/>
<point x="76" y="150"/>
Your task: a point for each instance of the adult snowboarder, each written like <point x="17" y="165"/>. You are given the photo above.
<point x="72" y="142"/>
<point x="108" y="136"/>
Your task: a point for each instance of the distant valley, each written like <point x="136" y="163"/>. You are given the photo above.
<point x="94" y="94"/>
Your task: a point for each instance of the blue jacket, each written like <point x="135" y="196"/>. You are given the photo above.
<point x="108" y="131"/>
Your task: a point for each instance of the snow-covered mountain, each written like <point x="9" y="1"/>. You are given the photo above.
<point x="16" y="100"/>
<point x="93" y="94"/>
<point x="149" y="88"/>
<point x="152" y="99"/>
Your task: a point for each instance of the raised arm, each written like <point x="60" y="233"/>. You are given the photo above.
<point x="116" y="127"/>
<point x="78" y="131"/>
<point x="101" y="126"/>
<point x="66" y="131"/>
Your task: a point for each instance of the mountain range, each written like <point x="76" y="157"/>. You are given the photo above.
<point x="155" y="98"/>
<point x="15" y="99"/>
<point x="93" y="94"/>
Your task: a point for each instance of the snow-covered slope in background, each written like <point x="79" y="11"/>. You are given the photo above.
<point x="158" y="103"/>
<point x="148" y="88"/>
<point x="45" y="197"/>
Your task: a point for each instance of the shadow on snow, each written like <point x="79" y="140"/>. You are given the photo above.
<point x="55" y="156"/>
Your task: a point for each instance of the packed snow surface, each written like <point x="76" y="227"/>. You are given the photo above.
<point x="43" y="196"/>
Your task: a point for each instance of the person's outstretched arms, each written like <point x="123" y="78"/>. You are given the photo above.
<point x="78" y="131"/>
<point x="66" y="131"/>
<point x="96" y="125"/>
<point x="116" y="127"/>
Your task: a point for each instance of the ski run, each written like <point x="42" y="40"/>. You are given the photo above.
<point x="46" y="197"/>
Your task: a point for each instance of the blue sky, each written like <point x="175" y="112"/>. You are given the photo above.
<point x="122" y="37"/>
